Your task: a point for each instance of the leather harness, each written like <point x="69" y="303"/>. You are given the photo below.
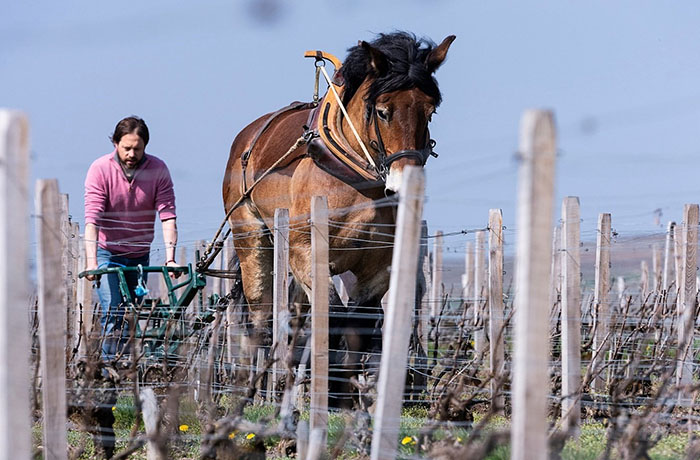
<point x="326" y="145"/>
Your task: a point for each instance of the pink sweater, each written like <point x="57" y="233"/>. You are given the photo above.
<point x="125" y="212"/>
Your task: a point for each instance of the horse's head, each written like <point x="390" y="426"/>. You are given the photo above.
<point x="391" y="92"/>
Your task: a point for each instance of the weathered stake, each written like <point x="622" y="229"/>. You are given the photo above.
<point x="436" y="285"/>
<point x="678" y="256"/>
<point x="571" y="314"/>
<point x="533" y="246"/>
<point x="668" y="257"/>
<point x="73" y="270"/>
<point x="686" y="300"/>
<point x="149" y="405"/>
<point x="496" y="311"/>
<point x="656" y="267"/>
<point x="85" y="299"/>
<point x="480" y="295"/>
<point x="320" y="274"/>
<point x="601" y="301"/>
<point x="397" y="326"/>
<point x="468" y="276"/>
<point x="280" y="298"/>
<point x="52" y="311"/>
<point x="15" y="422"/>
<point x="555" y="285"/>
<point x="424" y="314"/>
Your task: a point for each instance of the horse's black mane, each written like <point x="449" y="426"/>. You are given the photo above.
<point x="407" y="69"/>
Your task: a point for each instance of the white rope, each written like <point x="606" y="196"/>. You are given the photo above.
<point x="347" y="117"/>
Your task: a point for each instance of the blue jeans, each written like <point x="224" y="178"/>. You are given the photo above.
<point x="114" y="329"/>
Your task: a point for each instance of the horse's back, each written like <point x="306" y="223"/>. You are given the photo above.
<point x="261" y="144"/>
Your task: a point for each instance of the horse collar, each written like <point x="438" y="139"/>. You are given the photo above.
<point x="348" y="164"/>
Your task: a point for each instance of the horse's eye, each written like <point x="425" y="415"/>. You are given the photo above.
<point x="383" y="114"/>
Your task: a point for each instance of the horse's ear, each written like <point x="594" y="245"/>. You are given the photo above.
<point x="379" y="62"/>
<point x="437" y="55"/>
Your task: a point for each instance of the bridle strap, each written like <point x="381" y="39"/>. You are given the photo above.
<point x="385" y="160"/>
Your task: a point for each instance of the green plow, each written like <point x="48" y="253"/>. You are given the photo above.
<point x="159" y="324"/>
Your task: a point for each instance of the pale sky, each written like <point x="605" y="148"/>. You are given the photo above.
<point x="623" y="79"/>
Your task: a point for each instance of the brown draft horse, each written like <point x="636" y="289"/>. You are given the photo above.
<point x="390" y="94"/>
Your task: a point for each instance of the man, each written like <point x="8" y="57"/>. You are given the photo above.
<point x="123" y="191"/>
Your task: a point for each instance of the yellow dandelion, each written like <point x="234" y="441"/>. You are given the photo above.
<point x="250" y="436"/>
<point x="114" y="408"/>
<point x="184" y="428"/>
<point x="406" y="440"/>
<point x="232" y="435"/>
<point x="459" y="439"/>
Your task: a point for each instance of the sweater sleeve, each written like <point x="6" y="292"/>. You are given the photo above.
<point x="165" y="195"/>
<point x="95" y="195"/>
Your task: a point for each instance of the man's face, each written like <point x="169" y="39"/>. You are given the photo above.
<point x="130" y="149"/>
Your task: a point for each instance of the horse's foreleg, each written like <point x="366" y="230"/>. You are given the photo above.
<point x="256" y="268"/>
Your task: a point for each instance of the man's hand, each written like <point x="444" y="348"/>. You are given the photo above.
<point x="173" y="275"/>
<point x="91" y="265"/>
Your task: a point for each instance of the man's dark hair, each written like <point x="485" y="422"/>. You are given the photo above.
<point x="129" y="125"/>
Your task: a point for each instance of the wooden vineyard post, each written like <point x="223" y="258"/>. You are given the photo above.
<point x="424" y="260"/>
<point x="302" y="439"/>
<point x="468" y="277"/>
<point x="299" y="387"/>
<point x="232" y="323"/>
<point x="532" y="279"/>
<point x="215" y="280"/>
<point x="15" y="421"/>
<point x="85" y="299"/>
<point x="479" y="294"/>
<point x="668" y="257"/>
<point x="600" y="299"/>
<point x="397" y="326"/>
<point x="280" y="297"/>
<point x="52" y="311"/>
<point x="318" y="418"/>
<point x="656" y="268"/>
<point x="317" y="444"/>
<point x="186" y="352"/>
<point x="468" y="287"/>
<point x="259" y="367"/>
<point x="226" y="253"/>
<point x="149" y="405"/>
<point x="555" y="273"/>
<point x="678" y="256"/>
<point x="571" y="314"/>
<point x="74" y="269"/>
<point x="686" y="301"/>
<point x="643" y="282"/>
<point x="436" y="284"/>
<point x="196" y="371"/>
<point x="64" y="234"/>
<point x="622" y="298"/>
<point x="496" y="310"/>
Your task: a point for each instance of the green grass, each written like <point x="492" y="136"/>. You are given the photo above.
<point x="588" y="446"/>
